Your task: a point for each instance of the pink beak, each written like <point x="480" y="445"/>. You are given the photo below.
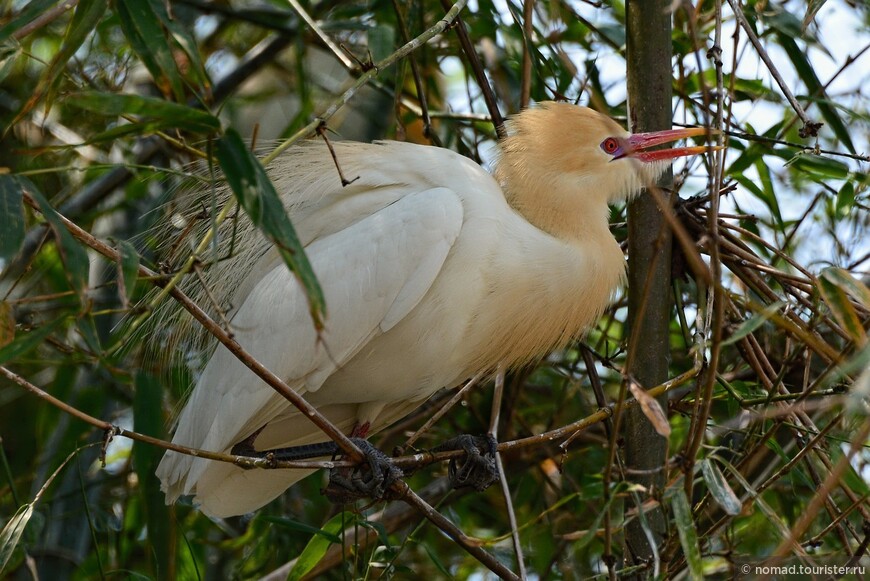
<point x="638" y="143"/>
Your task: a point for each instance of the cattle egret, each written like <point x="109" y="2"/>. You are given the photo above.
<point x="433" y="270"/>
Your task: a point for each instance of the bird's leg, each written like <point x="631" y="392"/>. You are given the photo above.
<point x="372" y="478"/>
<point x="292" y="453"/>
<point x="477" y="468"/>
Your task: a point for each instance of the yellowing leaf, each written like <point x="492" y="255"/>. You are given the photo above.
<point x="651" y="409"/>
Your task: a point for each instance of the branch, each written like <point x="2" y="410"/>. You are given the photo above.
<point x="810" y="128"/>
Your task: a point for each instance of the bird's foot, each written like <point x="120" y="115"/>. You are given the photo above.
<point x="370" y="479"/>
<point x="477" y="468"/>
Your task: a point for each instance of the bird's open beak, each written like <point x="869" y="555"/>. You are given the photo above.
<point x="639" y="143"/>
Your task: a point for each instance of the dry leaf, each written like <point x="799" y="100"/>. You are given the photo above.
<point x="651" y="409"/>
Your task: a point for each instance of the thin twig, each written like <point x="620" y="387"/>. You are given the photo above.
<point x="810" y="128"/>
<point x="479" y="76"/>
<point x="324" y="38"/>
<point x="112" y="430"/>
<point x="528" y="28"/>
<point x="818" y="501"/>
<point x="460" y="393"/>
<point x="498" y="392"/>
<point x="439" y="520"/>
<point x="419" y="85"/>
<point x="344" y="181"/>
<point x="44" y="18"/>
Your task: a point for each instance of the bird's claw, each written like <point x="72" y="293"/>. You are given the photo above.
<point x="372" y="478"/>
<point x="477" y="468"/>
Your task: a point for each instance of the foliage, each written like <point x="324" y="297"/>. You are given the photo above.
<point x="103" y="105"/>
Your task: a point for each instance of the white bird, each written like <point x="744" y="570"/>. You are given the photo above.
<point x="433" y="270"/>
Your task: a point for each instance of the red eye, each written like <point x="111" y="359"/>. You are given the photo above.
<point x="610" y="145"/>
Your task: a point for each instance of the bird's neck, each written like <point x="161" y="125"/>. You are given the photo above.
<point x="561" y="209"/>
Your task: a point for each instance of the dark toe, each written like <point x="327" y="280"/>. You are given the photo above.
<point x="477" y="468"/>
<point x="370" y="479"/>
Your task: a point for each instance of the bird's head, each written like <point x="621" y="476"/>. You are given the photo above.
<point x="562" y="158"/>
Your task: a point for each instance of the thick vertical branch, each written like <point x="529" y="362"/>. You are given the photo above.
<point x="649" y="247"/>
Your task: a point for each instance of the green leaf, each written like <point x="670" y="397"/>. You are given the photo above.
<point x="442" y="568"/>
<point x="31" y="11"/>
<point x="819" y="166"/>
<point x="848" y="283"/>
<point x="8" y="57"/>
<point x="88" y="13"/>
<point x="258" y="197"/>
<point x="164" y="113"/>
<point x="841" y="307"/>
<point x="129" y="271"/>
<point x="88" y="329"/>
<point x="686" y="530"/>
<point x="719" y="488"/>
<point x="815" y="88"/>
<point x="148" y="419"/>
<point x="753" y="323"/>
<point x="845" y="199"/>
<point x="73" y="255"/>
<point x="295" y="525"/>
<point x="316" y="547"/>
<point x="142" y="28"/>
<point x="24" y="342"/>
<point x="12" y="218"/>
<point x="182" y="37"/>
<point x="769" y="196"/>
<point x="10" y="536"/>
<point x="381" y="41"/>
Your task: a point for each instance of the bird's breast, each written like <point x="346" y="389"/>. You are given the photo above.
<point x="508" y="293"/>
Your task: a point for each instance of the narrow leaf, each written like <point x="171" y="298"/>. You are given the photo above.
<point x="10" y="536"/>
<point x="8" y="57"/>
<point x="815" y="89"/>
<point x="316" y="548"/>
<point x="442" y="568"/>
<point x="845" y="199"/>
<point x="686" y="531"/>
<point x="167" y="113"/>
<point x="24" y="342"/>
<point x="753" y="323"/>
<point x="74" y="256"/>
<point x="769" y="194"/>
<point x="12" y="218"/>
<point x="88" y="13"/>
<point x="142" y="28"/>
<point x="719" y="489"/>
<point x="183" y="38"/>
<point x="88" y="329"/>
<point x="7" y="324"/>
<point x="295" y="525"/>
<point x="381" y="41"/>
<point x="129" y="271"/>
<point x="842" y="309"/>
<point x="848" y="283"/>
<point x="31" y="11"/>
<point x="651" y="409"/>
<point x="819" y="166"/>
<point x="813" y="7"/>
<point x="258" y="197"/>
<point x="148" y="419"/>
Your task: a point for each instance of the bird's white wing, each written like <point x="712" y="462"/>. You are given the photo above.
<point x="373" y="273"/>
